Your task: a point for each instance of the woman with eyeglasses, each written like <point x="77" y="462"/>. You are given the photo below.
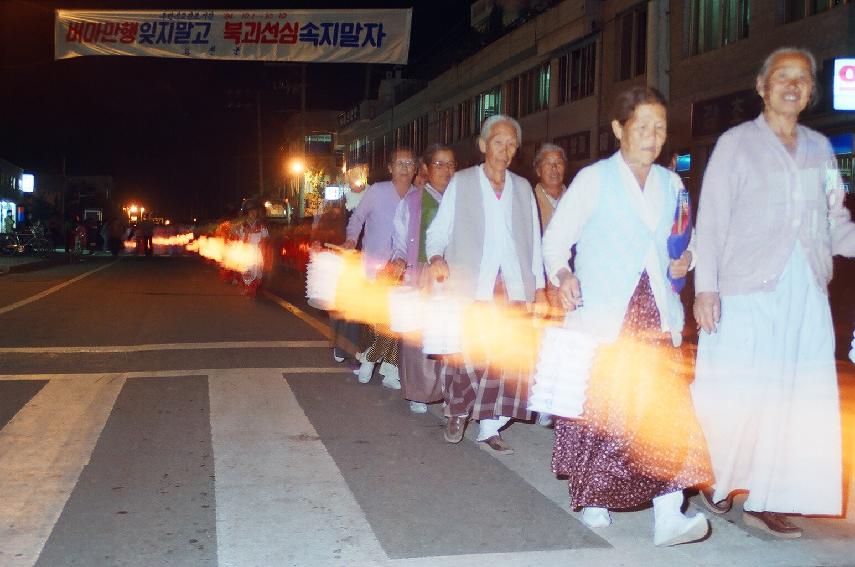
<point x="375" y="215"/>
<point x="420" y="380"/>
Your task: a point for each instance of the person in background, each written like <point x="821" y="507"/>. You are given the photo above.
<point x="484" y="243"/>
<point x="9" y="223"/>
<point x="421" y="378"/>
<point x="375" y="215"/>
<point x="115" y="235"/>
<point x="252" y="230"/>
<point x="550" y="163"/>
<point x="771" y="216"/>
<point x="145" y="234"/>
<point x="638" y="439"/>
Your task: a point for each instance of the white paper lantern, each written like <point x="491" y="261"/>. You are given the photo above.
<point x="563" y="369"/>
<point x="322" y="276"/>
<point x="443" y="325"/>
<point x="406" y="310"/>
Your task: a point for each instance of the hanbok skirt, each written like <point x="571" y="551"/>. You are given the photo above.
<point x="766" y="395"/>
<point x="638" y="437"/>
<point x="421" y="377"/>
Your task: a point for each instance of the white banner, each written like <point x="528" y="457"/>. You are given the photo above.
<point x="322" y="36"/>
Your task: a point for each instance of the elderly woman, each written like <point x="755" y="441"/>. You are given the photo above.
<point x="421" y="382"/>
<point x="638" y="439"/>
<point x="550" y="163"/>
<point x="771" y="216"/>
<point x="375" y="213"/>
<point x="485" y="240"/>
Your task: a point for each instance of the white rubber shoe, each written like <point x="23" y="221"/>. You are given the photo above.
<point x="366" y="369"/>
<point x="595" y="517"/>
<point x="392" y="380"/>
<point x="671" y="526"/>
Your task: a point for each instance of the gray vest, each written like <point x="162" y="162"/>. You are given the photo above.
<point x="466" y="244"/>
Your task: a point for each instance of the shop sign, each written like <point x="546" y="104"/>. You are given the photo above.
<point x="843" y="88"/>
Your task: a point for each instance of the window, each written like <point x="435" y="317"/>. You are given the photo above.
<point x="528" y="92"/>
<point x="576" y="73"/>
<point x="446" y="126"/>
<point x="715" y="23"/>
<point x="577" y="146"/>
<point x="464" y="119"/>
<point x="632" y="43"/>
<point x="420" y="134"/>
<point x="487" y="104"/>
<point x="798" y="9"/>
<point x="512" y="97"/>
<point x="357" y="151"/>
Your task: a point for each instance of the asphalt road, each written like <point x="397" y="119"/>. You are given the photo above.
<point x="152" y="415"/>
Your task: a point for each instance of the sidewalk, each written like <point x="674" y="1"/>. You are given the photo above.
<point x="11" y="264"/>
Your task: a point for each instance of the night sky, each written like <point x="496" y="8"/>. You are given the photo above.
<point x="163" y="127"/>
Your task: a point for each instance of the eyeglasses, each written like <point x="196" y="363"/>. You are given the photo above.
<point x="444" y="164"/>
<point x="405" y="163"/>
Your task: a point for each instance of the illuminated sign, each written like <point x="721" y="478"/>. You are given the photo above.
<point x="844" y="84"/>
<point x="28" y="183"/>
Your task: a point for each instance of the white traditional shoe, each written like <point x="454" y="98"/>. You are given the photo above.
<point x="671" y="526"/>
<point x="418" y="407"/>
<point x="366" y="369"/>
<point x="595" y="517"/>
<point x="674" y="530"/>
<point x="392" y="380"/>
<point x="336" y="356"/>
<point x="385" y="368"/>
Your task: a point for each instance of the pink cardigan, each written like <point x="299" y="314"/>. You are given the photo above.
<point x="758" y="200"/>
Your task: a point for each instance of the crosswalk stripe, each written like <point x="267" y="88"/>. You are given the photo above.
<point x="281" y="499"/>
<point x="168" y="373"/>
<point x="42" y="451"/>
<point x="162" y="347"/>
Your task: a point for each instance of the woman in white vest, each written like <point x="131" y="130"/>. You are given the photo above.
<point x="638" y="439"/>
<point x="485" y="241"/>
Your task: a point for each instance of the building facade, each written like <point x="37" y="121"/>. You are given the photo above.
<point x="10" y="191"/>
<point x="559" y="72"/>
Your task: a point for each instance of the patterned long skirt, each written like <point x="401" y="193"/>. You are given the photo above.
<point x="638" y="437"/>
<point x="495" y="377"/>
<point x="384" y="346"/>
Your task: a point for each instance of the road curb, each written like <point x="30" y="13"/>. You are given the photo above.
<point x="31" y="266"/>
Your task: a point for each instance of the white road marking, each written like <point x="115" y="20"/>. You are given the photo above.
<point x="174" y="373"/>
<point x="53" y="289"/>
<point x="43" y="449"/>
<point x="322" y="328"/>
<point x="319" y="326"/>
<point x="162" y="346"/>
<point x="281" y="499"/>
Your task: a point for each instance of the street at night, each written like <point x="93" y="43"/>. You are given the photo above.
<point x="153" y="415"/>
<point x="422" y="283"/>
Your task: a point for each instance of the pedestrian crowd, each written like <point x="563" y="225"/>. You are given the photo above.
<point x="757" y="412"/>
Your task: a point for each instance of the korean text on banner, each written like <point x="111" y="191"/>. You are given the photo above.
<point x="321" y="36"/>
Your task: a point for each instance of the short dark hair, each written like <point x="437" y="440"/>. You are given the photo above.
<point x="630" y="99"/>
<point x="434" y="149"/>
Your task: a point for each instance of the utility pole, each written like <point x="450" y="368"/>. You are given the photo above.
<point x="300" y="182"/>
<point x="260" y="145"/>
